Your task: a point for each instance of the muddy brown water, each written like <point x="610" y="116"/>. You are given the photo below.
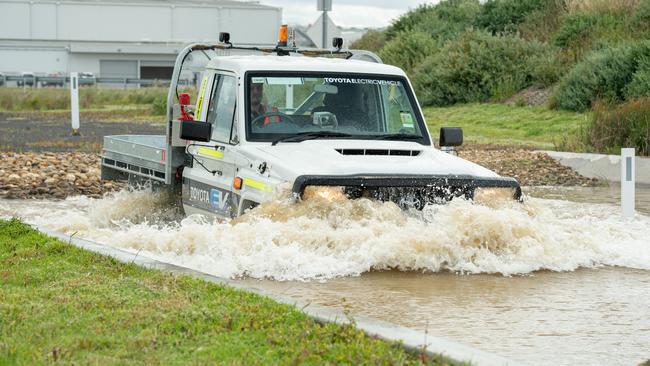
<point x="598" y="316"/>
<point x="561" y="279"/>
<point x="590" y="316"/>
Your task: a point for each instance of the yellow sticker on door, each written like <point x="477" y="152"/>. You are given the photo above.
<point x="199" y="102"/>
<point x="211" y="152"/>
<point x="257" y="185"/>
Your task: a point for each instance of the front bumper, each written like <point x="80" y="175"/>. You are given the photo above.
<point x="408" y="190"/>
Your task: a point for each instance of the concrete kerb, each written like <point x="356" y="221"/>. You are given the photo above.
<point x="411" y="340"/>
<point x="601" y="166"/>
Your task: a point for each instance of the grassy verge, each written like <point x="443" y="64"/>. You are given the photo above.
<point x="61" y="303"/>
<point x="133" y="105"/>
<point x="503" y="124"/>
<point x="134" y="114"/>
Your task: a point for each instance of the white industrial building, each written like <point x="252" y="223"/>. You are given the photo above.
<point x="126" y="39"/>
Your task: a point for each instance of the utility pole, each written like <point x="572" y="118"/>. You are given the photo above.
<point x="324" y="6"/>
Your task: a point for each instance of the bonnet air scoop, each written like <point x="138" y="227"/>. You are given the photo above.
<point x="386" y="152"/>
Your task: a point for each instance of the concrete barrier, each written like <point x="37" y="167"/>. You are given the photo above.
<point x="606" y="167"/>
<point x="412" y="340"/>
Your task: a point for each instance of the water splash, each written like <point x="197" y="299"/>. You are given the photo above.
<point x="327" y="237"/>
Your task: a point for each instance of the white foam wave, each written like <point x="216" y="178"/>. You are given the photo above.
<point x="322" y="240"/>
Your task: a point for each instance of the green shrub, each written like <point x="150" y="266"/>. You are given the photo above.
<point x="498" y="16"/>
<point x="159" y="106"/>
<point x="640" y="84"/>
<point x="407" y="22"/>
<point x="542" y="24"/>
<point x="478" y="67"/>
<point x="408" y="49"/>
<point x="605" y="75"/>
<point x="575" y="30"/>
<point x="627" y="125"/>
<point x="641" y="19"/>
<point x="372" y="40"/>
<point x="596" y="25"/>
<point x="442" y="21"/>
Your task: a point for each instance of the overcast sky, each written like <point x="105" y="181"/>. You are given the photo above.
<point x="346" y="13"/>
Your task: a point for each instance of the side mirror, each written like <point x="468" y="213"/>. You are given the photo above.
<point x="196" y="130"/>
<point x="451" y="136"/>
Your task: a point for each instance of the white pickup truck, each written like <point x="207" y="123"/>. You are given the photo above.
<point x="288" y="118"/>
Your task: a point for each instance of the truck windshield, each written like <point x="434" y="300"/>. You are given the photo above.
<point x="280" y="107"/>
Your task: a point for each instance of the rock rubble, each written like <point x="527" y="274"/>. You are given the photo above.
<point x="529" y="167"/>
<point x="52" y="175"/>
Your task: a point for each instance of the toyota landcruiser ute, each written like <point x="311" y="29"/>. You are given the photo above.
<point x="286" y="119"/>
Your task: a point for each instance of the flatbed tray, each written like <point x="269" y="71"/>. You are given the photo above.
<point x="140" y="155"/>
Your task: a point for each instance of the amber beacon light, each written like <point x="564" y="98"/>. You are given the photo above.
<point x="283" y="36"/>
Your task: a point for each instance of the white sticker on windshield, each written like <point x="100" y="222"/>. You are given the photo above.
<point x="285" y="81"/>
<point x="407" y="120"/>
<point x="258" y="80"/>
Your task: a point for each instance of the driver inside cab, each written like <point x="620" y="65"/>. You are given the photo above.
<point x="258" y="108"/>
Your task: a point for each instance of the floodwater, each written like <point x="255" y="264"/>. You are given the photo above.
<point x="561" y="279"/>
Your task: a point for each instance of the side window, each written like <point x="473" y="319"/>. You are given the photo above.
<point x="222" y="108"/>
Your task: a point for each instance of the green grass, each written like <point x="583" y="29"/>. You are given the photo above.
<point x="97" y="104"/>
<point x="46" y="99"/>
<point x="62" y="304"/>
<point x="537" y="127"/>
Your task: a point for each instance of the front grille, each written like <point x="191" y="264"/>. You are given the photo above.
<point x="410" y="197"/>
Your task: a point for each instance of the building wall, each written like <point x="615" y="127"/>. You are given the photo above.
<point x="38" y="60"/>
<point x="91" y="62"/>
<point x="45" y="36"/>
<point x="136" y="22"/>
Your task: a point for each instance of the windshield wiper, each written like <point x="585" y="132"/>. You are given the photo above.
<point x="303" y="136"/>
<point x="397" y="136"/>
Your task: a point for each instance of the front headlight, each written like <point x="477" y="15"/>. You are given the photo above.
<point x="327" y="193"/>
<point x="491" y="195"/>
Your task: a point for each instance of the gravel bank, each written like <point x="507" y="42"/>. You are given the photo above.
<point x="530" y="168"/>
<point x="52" y="175"/>
<point x="58" y="175"/>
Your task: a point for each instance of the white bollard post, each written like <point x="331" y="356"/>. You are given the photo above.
<point x="74" y="101"/>
<point x="627" y="182"/>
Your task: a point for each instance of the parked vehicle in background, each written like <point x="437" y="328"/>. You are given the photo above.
<point x="86" y="78"/>
<point x="58" y="81"/>
<point x="2" y="79"/>
<point x="28" y="79"/>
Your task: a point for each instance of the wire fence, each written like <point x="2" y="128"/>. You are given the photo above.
<point x="64" y="81"/>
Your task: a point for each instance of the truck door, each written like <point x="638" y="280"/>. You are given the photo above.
<point x="207" y="185"/>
